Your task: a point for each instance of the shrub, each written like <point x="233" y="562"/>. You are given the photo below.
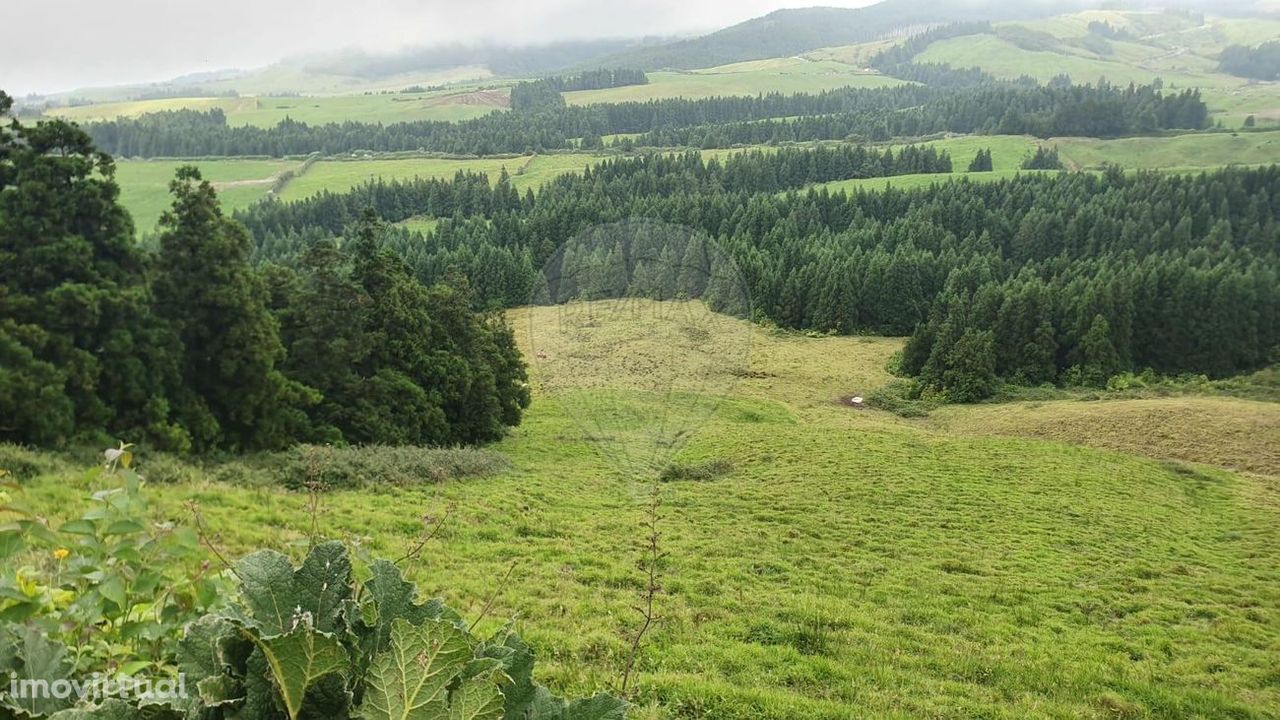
<point x="708" y="470"/>
<point x="334" y="468"/>
<point x="112" y="584"/>
<point x="168" y="469"/>
<point x="114" y="594"/>
<point x="23" y="464"/>
<point x="902" y="398"/>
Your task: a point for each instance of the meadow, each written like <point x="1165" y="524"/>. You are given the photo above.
<point x="145" y="193"/>
<point x="1004" y="59"/>
<point x="144" y="184"/>
<point x="784" y="75"/>
<point x="339" y="175"/>
<point x="450" y="104"/>
<point x="839" y="561"/>
<point x="1167" y="46"/>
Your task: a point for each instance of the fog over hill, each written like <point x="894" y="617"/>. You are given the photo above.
<point x="392" y="40"/>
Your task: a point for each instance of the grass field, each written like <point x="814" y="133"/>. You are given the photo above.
<point x="785" y="75"/>
<point x="1003" y="59"/>
<point x="144" y="184"/>
<point x="341" y="175"/>
<point x="1227" y="432"/>
<point x="848" y="563"/>
<point x="1168" y="46"/>
<point x="1182" y="151"/>
<point x="452" y="104"/>
<point x="420" y="223"/>
<point x="241" y="182"/>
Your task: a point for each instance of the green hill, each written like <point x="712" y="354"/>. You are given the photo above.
<point x="838" y="562"/>
<point x="789" y="32"/>
<point x="1177" y="48"/>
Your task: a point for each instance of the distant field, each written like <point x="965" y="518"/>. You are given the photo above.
<point x="1003" y="59"/>
<point x="419" y="223"/>
<point x="342" y="175"/>
<point x="266" y="111"/>
<point x="786" y="75"/>
<point x="146" y="195"/>
<point x="134" y="108"/>
<point x="857" y="55"/>
<point x="910" y="182"/>
<point x="450" y="105"/>
<point x="1161" y="45"/>
<point x="1228" y="432"/>
<point x="1182" y="151"/>
<point x="144" y="184"/>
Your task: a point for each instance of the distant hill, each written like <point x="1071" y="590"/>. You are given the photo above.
<point x="790" y="32"/>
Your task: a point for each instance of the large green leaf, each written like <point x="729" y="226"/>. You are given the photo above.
<point x="393" y="597"/>
<point x="297" y="659"/>
<point x="41" y="661"/>
<point x="518" y="687"/>
<point x="277" y="595"/>
<point x="266" y="579"/>
<point x="203" y="660"/>
<point x="410" y="680"/>
<point x="545" y="706"/>
<point x="476" y="698"/>
<point x="110" y="709"/>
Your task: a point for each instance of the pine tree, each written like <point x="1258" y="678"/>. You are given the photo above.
<point x="233" y="396"/>
<point x="1098" y="357"/>
<point x="981" y="161"/>
<point x="79" y="355"/>
<point x="971" y="367"/>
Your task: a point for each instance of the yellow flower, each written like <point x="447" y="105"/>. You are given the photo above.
<point x="61" y="553"/>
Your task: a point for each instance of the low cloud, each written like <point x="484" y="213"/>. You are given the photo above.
<point x="61" y="45"/>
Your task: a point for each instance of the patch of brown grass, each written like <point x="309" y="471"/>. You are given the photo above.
<point x="1227" y="432"/>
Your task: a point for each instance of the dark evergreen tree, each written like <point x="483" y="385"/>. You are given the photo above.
<point x="1043" y="159"/>
<point x="981" y="161"/>
<point x="232" y="394"/>
<point x="80" y="354"/>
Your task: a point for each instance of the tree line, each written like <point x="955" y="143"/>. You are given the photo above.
<point x="191" y="348"/>
<point x="1006" y="109"/>
<point x="1260" y="63"/>
<point x="545" y="92"/>
<point x="1178" y="272"/>
<point x="873" y="113"/>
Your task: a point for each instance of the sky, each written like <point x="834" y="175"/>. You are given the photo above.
<point x="58" y="45"/>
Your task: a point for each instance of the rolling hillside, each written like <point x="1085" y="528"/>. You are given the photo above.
<point x="895" y="570"/>
<point x="790" y="32"/>
<point x="1178" y="49"/>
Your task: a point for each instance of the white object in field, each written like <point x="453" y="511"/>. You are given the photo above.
<point x="856" y="400"/>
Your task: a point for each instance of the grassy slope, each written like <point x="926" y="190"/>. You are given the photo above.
<point x="1004" y="59"/>
<point x="341" y="175"/>
<point x="452" y="104"/>
<point x="851" y="564"/>
<point x="1166" y="46"/>
<point x="1183" y="151"/>
<point x="785" y="75"/>
<point x="1178" y="154"/>
<point x="1226" y="432"/>
<point x="144" y="184"/>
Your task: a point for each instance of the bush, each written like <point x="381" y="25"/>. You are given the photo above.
<point x="167" y="469"/>
<point x="334" y="468"/>
<point x="24" y="464"/>
<point x="708" y="470"/>
<point x="113" y="594"/>
<point x="902" y="398"/>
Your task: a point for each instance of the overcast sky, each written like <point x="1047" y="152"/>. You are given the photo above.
<point x="55" y="45"/>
